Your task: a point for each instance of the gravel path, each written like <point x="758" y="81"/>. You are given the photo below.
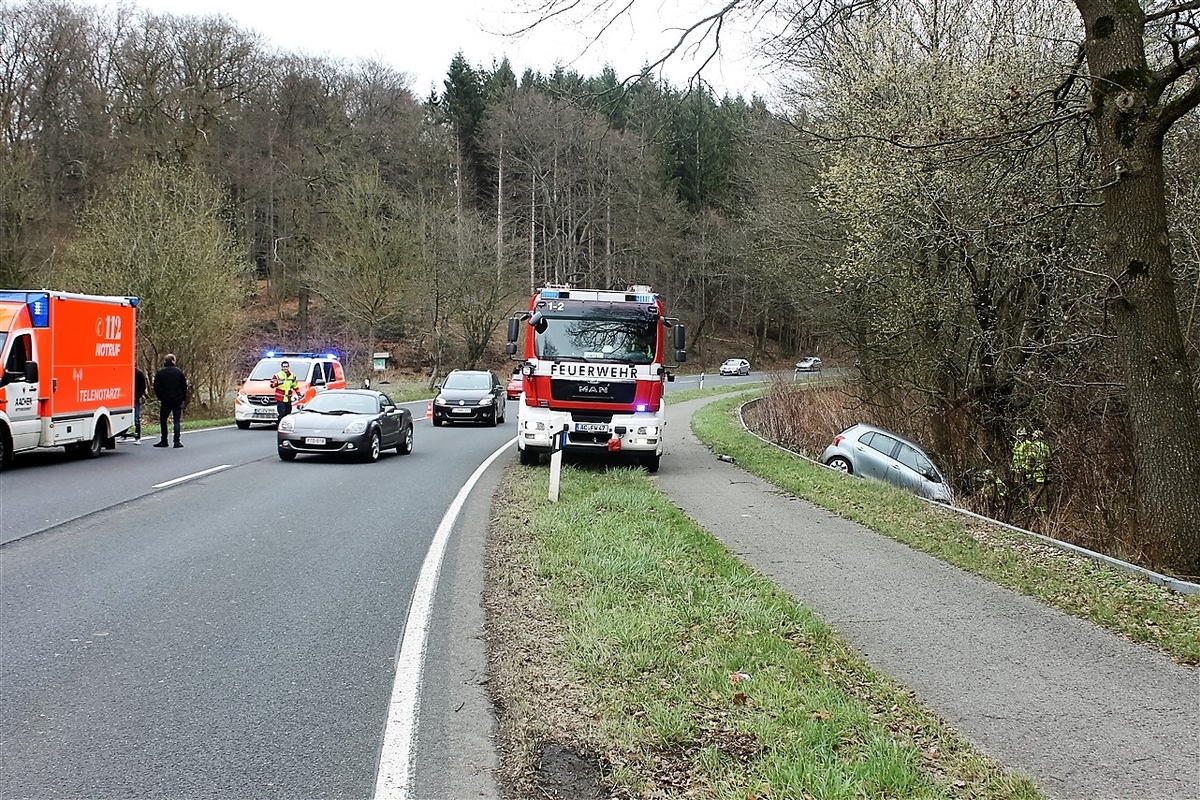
<point x="1083" y="712"/>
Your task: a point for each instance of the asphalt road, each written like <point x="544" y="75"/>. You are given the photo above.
<point x="235" y="633"/>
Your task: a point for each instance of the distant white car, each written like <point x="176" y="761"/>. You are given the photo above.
<point x="809" y="364"/>
<point x="735" y="366"/>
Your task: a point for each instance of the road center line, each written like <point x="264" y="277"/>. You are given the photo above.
<point x="174" y="481"/>
<point x="395" y="775"/>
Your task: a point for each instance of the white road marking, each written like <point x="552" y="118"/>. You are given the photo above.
<point x="174" y="481"/>
<point x="395" y="775"/>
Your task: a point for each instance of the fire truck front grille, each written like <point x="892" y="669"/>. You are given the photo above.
<point x="593" y="391"/>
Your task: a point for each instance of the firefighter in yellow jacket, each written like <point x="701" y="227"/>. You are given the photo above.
<point x="1031" y="468"/>
<point x="286" y="386"/>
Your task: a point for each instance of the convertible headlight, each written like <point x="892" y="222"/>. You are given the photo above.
<point x="487" y="401"/>
<point x="287" y="424"/>
<point x="357" y="426"/>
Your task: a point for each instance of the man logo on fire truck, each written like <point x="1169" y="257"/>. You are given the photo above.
<point x="594" y="367"/>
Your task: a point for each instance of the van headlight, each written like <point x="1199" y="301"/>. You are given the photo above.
<point x="242" y="399"/>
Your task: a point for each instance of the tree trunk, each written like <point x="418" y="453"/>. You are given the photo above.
<point x="1163" y="412"/>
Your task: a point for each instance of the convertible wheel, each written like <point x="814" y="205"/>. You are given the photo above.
<point x="840" y="464"/>
<point x="406" y="441"/>
<point x="373" y="448"/>
<point x="287" y="455"/>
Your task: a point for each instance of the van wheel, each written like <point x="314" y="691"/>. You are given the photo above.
<point x="244" y="424"/>
<point x="6" y="454"/>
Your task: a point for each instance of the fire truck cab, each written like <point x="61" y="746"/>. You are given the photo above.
<point x="593" y="372"/>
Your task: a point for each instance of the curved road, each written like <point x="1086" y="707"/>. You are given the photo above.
<point x="211" y="621"/>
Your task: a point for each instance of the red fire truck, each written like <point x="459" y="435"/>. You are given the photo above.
<point x="593" y="372"/>
<point x="68" y="371"/>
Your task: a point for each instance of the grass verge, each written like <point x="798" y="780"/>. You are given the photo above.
<point x="633" y="631"/>
<point x="1123" y="603"/>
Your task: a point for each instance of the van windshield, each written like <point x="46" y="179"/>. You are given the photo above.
<point x="265" y="369"/>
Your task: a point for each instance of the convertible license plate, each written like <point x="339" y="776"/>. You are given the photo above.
<point x="314" y="440"/>
<point x="591" y="427"/>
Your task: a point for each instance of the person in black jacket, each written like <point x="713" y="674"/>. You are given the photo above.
<point x="170" y="387"/>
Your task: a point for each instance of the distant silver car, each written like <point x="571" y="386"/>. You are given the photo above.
<point x="735" y="366"/>
<point x="809" y="364"/>
<point x="871" y="452"/>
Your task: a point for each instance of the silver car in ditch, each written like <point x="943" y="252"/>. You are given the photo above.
<point x="871" y="452"/>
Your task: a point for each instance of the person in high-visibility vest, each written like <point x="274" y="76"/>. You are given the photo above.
<point x="285" y="383"/>
<point x="1031" y="466"/>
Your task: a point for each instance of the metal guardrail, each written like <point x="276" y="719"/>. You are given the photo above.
<point x="1166" y="581"/>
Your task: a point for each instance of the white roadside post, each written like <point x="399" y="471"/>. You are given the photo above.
<point x="701" y="380"/>
<point x="556" y="455"/>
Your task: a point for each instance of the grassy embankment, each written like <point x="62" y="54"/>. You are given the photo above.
<point x="1123" y="603"/>
<point x="633" y="630"/>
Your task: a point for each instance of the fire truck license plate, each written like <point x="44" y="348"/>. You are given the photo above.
<point x="314" y="440"/>
<point x="591" y="427"/>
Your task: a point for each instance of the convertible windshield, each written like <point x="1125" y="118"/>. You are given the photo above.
<point x="630" y="339"/>
<point x="335" y="403"/>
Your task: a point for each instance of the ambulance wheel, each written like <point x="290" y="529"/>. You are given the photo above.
<point x="5" y="451"/>
<point x="651" y="462"/>
<point x="93" y="448"/>
<point x="244" y="424"/>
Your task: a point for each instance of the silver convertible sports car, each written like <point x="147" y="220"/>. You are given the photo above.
<point x="359" y="422"/>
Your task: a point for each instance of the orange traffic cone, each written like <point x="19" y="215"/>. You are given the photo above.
<point x="429" y="410"/>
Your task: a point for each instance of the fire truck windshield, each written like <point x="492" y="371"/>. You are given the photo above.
<point x="619" y="338"/>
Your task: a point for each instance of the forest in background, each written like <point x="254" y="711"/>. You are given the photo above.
<point x="926" y="201"/>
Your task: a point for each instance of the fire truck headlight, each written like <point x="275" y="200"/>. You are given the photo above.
<point x="641" y="406"/>
<point x="648" y="430"/>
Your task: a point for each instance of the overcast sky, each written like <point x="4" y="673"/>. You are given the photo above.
<point x="421" y="36"/>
